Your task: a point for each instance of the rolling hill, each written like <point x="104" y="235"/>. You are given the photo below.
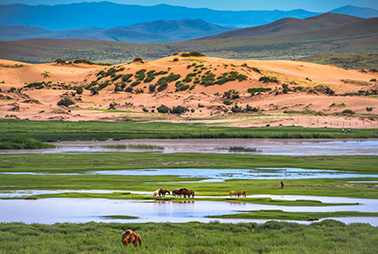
<point x="157" y="31"/>
<point x="357" y="11"/>
<point x="289" y="26"/>
<point x="356" y="37"/>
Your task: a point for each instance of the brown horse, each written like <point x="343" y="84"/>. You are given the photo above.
<point x="177" y="192"/>
<point x="233" y="193"/>
<point x="190" y="193"/>
<point x="130" y="237"/>
<point x="242" y="193"/>
<point x="163" y="192"/>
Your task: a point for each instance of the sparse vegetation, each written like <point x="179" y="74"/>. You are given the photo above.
<point x="255" y="90"/>
<point x="266" y="79"/>
<point x="192" y="54"/>
<point x="66" y="101"/>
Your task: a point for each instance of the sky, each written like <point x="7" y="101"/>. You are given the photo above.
<point x="309" y="5"/>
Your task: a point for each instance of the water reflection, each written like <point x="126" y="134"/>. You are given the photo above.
<point x="267" y="146"/>
<point x="54" y="210"/>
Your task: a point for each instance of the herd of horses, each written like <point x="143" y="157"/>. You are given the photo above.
<point x="183" y="192"/>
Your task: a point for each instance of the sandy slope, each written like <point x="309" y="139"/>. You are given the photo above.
<point x="41" y="104"/>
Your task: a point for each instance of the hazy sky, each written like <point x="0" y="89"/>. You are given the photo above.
<point x="310" y="5"/>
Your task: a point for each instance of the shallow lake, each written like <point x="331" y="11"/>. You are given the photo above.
<point x="263" y="146"/>
<point x="218" y="175"/>
<point x="54" y="210"/>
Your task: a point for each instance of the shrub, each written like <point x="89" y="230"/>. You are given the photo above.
<point x="65" y="102"/>
<point x="195" y="54"/>
<point x="129" y="89"/>
<point x="373" y="80"/>
<point x="179" y="110"/>
<point x="163" y="109"/>
<point x="79" y="90"/>
<point x="180" y="86"/>
<point x="285" y="88"/>
<point x="152" y="88"/>
<point x="117" y="77"/>
<point x="176" y="59"/>
<point x="36" y="85"/>
<point x="236" y="109"/>
<point x="135" y="83"/>
<point x="126" y="77"/>
<point x="227" y="102"/>
<point x="173" y="77"/>
<point x="139" y="90"/>
<point x="251" y="109"/>
<point x="94" y="91"/>
<point x="231" y="94"/>
<point x="208" y="79"/>
<point x="255" y="90"/>
<point x="140" y="75"/>
<point x="266" y="79"/>
<point x="348" y="112"/>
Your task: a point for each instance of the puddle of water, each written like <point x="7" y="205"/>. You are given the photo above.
<point x="54" y="210"/>
<point x="266" y="146"/>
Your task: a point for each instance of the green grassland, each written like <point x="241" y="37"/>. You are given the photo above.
<point x="80" y="163"/>
<point x="96" y="130"/>
<point x="272" y="237"/>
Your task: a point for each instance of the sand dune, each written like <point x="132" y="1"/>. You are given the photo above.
<point x="61" y="79"/>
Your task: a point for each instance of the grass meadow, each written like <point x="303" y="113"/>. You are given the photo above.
<point x="271" y="237"/>
<point x="95" y="130"/>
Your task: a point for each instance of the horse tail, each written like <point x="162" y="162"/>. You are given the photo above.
<point x="139" y="241"/>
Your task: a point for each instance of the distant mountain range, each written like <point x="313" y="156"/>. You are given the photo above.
<point x="110" y="15"/>
<point x="284" y="39"/>
<point x="151" y="32"/>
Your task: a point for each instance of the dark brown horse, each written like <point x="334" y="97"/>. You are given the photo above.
<point x="163" y="192"/>
<point x="183" y="192"/>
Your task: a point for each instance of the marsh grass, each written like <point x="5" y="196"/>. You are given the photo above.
<point x="96" y="130"/>
<point x="271" y="237"/>
<point x="144" y="147"/>
<point x="20" y="142"/>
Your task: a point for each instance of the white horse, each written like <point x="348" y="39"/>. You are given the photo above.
<point x="156" y="193"/>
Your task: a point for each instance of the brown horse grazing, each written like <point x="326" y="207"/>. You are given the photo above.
<point x="242" y="193"/>
<point x="233" y="193"/>
<point x="164" y="191"/>
<point x="176" y="192"/>
<point x="191" y="192"/>
<point x="130" y="237"/>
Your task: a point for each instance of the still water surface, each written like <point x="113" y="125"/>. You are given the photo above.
<point x="53" y="210"/>
<point x="264" y="146"/>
